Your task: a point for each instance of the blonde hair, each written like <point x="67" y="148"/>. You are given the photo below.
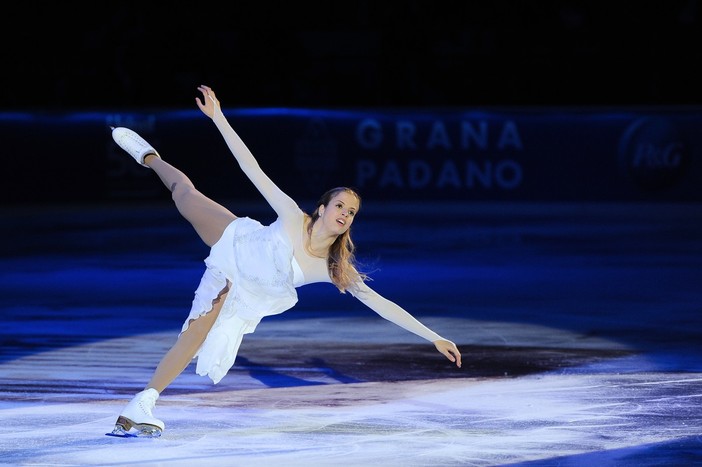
<point x="341" y="261"/>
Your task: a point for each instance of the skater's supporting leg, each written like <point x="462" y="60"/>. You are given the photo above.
<point x="138" y="413"/>
<point x="188" y="343"/>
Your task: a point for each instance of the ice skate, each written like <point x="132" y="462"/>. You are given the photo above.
<point x="137" y="415"/>
<point x="135" y="145"/>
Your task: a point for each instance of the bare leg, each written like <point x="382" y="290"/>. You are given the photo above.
<point x="137" y="414"/>
<point x="207" y="217"/>
<point x="209" y="220"/>
<point x="183" y="351"/>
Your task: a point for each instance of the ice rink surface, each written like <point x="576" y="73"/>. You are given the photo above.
<point x="580" y="327"/>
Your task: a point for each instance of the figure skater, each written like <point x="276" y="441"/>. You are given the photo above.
<point x="252" y="270"/>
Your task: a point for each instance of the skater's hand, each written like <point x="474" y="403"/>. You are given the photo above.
<point x="209" y="103"/>
<point x="450" y="350"/>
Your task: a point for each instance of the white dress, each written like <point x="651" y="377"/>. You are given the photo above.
<point x="258" y="262"/>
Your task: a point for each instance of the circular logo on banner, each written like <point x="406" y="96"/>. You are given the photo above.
<point x="652" y="153"/>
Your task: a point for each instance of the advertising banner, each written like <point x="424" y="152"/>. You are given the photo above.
<point x="409" y="154"/>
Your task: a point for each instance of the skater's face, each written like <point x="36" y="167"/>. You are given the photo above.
<point x="340" y="212"/>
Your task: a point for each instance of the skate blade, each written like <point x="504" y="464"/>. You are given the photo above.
<point x="148" y="431"/>
<point x="122" y="435"/>
<point x="123" y="426"/>
<point x="119" y="433"/>
<point x="139" y="434"/>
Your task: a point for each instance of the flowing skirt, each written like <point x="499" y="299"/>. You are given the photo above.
<point x="256" y="261"/>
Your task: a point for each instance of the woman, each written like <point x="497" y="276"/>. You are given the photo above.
<point x="252" y="270"/>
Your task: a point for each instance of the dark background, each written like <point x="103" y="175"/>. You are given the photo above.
<point x="575" y="75"/>
<point x="117" y="55"/>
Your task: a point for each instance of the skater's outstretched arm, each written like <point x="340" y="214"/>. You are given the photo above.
<point x="281" y="203"/>
<point x="396" y="314"/>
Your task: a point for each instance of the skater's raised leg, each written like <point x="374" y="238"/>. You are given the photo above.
<point x="208" y="218"/>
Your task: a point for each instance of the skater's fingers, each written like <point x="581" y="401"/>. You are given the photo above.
<point x="449" y="350"/>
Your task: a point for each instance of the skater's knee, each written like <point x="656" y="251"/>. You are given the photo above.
<point x="181" y="192"/>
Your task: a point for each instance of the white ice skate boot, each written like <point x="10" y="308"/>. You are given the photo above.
<point x="137" y="414"/>
<point x="134" y="144"/>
